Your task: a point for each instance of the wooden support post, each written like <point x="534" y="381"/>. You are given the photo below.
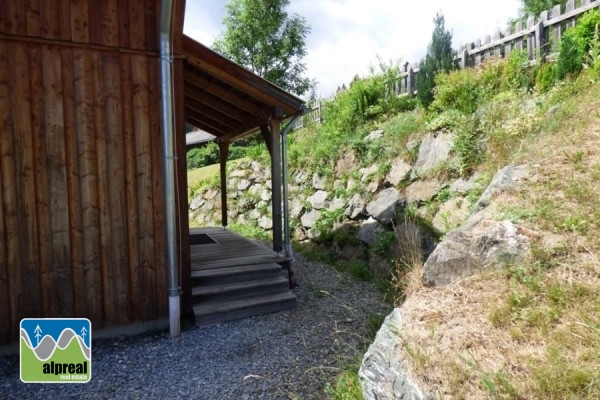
<point x="276" y="182"/>
<point x="556" y="29"/>
<point x="223" y="153"/>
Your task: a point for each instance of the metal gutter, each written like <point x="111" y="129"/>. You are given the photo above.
<point x="166" y="62"/>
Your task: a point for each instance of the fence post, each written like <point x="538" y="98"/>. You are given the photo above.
<point x="570" y="7"/>
<point x="478" y="55"/>
<point x="540" y="36"/>
<point x="507" y="45"/>
<point x="557" y="28"/>
<point x="464" y="57"/>
<point x="519" y="43"/>
<point x="530" y="39"/>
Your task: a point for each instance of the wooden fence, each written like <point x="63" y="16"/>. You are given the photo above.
<point x="540" y="37"/>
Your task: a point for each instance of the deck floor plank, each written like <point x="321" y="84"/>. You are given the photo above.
<point x="230" y="250"/>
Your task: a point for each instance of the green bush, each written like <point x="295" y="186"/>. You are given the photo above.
<point x="459" y="90"/>
<point x="202" y="156"/>
<point x="576" y="44"/>
<point x="545" y="77"/>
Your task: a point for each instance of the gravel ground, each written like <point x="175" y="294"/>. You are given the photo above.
<point x="288" y="355"/>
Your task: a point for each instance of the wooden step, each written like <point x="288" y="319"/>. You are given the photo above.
<point x="208" y="314"/>
<point x="240" y="290"/>
<point x="225" y="275"/>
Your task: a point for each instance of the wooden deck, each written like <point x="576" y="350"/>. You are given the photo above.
<point x="230" y="250"/>
<point x="234" y="277"/>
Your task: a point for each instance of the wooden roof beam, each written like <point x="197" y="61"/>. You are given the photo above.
<point x="216" y="103"/>
<point x="217" y="91"/>
<point x="216" y="128"/>
<point x="208" y="112"/>
<point x="244" y="129"/>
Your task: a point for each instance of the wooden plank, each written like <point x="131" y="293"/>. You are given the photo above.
<point x="9" y="276"/>
<point x="110" y="23"/>
<point x="182" y="196"/>
<point x="49" y="19"/>
<point x="223" y="107"/>
<point x="64" y="19"/>
<point x="151" y="26"/>
<point x="38" y="126"/>
<point x="223" y="154"/>
<point x="108" y="297"/>
<point x="141" y="118"/>
<point x="59" y="297"/>
<point x="124" y="23"/>
<point x="276" y="198"/>
<point x="80" y="31"/>
<point x="33" y="18"/>
<point x="131" y="204"/>
<point x="15" y="17"/>
<point x="211" y="114"/>
<point x="73" y="179"/>
<point x="88" y="183"/>
<point x="118" y="277"/>
<point x="158" y="189"/>
<point x="137" y="19"/>
<point x="25" y="189"/>
<point x="95" y="21"/>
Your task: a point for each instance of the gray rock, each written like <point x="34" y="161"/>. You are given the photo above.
<point x="296" y="207"/>
<point x="422" y="191"/>
<point x="211" y="194"/>
<point x="350" y="185"/>
<point x="367" y="172"/>
<point x="243" y="184"/>
<point x="374" y="135"/>
<point x="464" y="186"/>
<point x="299" y="233"/>
<point x="480" y="243"/>
<point x="451" y="215"/>
<point x="237" y="173"/>
<point x="432" y="152"/>
<point x="319" y="182"/>
<point x="318" y="200"/>
<point x="265" y="222"/>
<point x="196" y="203"/>
<point x="398" y="172"/>
<point x="300" y="177"/>
<point x="337" y="203"/>
<point x="309" y="219"/>
<point x="372" y="186"/>
<point x="383" y="372"/>
<point x="356" y="206"/>
<point x="504" y="179"/>
<point x="383" y="207"/>
<point x="265" y="195"/>
<point x="370" y="231"/>
<point x="254" y="215"/>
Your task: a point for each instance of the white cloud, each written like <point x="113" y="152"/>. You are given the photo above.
<point x="348" y="35"/>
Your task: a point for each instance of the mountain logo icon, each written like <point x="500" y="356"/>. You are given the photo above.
<point x="56" y="350"/>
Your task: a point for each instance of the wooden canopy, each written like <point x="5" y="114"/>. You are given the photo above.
<point x="227" y="100"/>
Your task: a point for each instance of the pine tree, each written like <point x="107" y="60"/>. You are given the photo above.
<point x="439" y="58"/>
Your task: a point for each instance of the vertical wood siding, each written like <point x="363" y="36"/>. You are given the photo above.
<point x="81" y="171"/>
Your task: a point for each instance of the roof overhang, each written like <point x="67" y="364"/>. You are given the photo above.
<point x="225" y="99"/>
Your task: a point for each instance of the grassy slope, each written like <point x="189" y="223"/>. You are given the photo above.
<point x="531" y="330"/>
<point x="527" y="331"/>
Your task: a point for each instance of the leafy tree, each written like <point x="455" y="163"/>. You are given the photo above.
<point x="535" y="7"/>
<point x="261" y="36"/>
<point x="439" y="58"/>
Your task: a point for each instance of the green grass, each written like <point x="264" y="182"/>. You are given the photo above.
<point x="195" y="176"/>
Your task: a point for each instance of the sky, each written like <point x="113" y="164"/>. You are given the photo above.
<point x="348" y="36"/>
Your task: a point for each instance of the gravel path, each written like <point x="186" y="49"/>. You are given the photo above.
<point x="289" y="355"/>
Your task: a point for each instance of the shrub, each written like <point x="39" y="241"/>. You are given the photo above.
<point x="459" y="90"/>
<point x="203" y="156"/>
<point x="575" y="45"/>
<point x="545" y="77"/>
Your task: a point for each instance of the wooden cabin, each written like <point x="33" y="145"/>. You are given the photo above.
<point x="82" y="176"/>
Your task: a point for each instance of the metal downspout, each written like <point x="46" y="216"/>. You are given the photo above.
<point x="166" y="61"/>
<point x="287" y="242"/>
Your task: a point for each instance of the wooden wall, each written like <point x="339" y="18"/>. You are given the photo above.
<point x="81" y="163"/>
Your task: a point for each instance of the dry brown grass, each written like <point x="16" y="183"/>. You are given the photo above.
<point x="528" y="331"/>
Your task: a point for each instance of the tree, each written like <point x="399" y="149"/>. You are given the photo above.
<point x="261" y="36"/>
<point x="439" y="58"/>
<point x="535" y="7"/>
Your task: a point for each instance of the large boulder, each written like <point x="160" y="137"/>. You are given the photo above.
<point x="398" y="172"/>
<point x="451" y="215"/>
<point x="383" y="207"/>
<point x="482" y="242"/>
<point x="433" y="151"/>
<point x="421" y="191"/>
<point x="319" y="182"/>
<point x="356" y="207"/>
<point x="309" y="219"/>
<point x="369" y="231"/>
<point x="317" y="200"/>
<point x="505" y="178"/>
<point x="383" y="373"/>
